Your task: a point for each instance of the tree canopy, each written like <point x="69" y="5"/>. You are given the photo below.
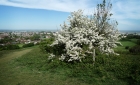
<point x="83" y="35"/>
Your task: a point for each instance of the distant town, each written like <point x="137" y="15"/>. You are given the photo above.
<point x="23" y="37"/>
<point x="15" y="39"/>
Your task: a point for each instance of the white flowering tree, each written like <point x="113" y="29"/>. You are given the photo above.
<point x="84" y="35"/>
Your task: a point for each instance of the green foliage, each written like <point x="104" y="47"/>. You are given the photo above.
<point x="138" y="42"/>
<point x="9" y="47"/>
<point x="3" y="52"/>
<point x="20" y="45"/>
<point x="135" y="49"/>
<point x="45" y="45"/>
<point x="126" y="47"/>
<point x="35" y="37"/>
<point x="134" y="40"/>
<point x="103" y="17"/>
<point x="28" y="45"/>
<point x="132" y="36"/>
<point x="57" y="49"/>
<point x="129" y="46"/>
<point x="1" y="47"/>
<point x="125" y="39"/>
<point x="127" y="68"/>
<point x="122" y="70"/>
<point x="12" y="47"/>
<point x="6" y="39"/>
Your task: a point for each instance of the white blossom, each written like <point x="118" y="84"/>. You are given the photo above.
<point x="83" y="31"/>
<point x="62" y="58"/>
<point x="51" y="56"/>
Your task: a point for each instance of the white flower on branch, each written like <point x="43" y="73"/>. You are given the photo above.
<point x="51" y="56"/>
<point x="83" y="31"/>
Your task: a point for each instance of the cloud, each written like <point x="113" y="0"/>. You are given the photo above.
<point x="58" y="5"/>
<point x="127" y="13"/>
<point x="127" y="9"/>
<point x="123" y="10"/>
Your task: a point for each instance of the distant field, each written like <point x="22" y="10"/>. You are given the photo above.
<point x="126" y="43"/>
<point x="134" y="40"/>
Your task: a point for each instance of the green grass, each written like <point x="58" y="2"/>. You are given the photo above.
<point x="20" y="45"/>
<point x="124" y="44"/>
<point x="134" y="40"/>
<point x="13" y="55"/>
<point x="30" y="66"/>
<point x="2" y="53"/>
<point x="30" y="69"/>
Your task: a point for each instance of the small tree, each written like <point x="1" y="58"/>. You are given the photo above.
<point x="83" y="35"/>
<point x="106" y="26"/>
<point x="102" y="17"/>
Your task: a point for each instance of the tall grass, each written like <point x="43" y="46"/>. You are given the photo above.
<point x="114" y="70"/>
<point x="35" y="68"/>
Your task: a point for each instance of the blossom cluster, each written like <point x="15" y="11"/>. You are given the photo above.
<point x="80" y="31"/>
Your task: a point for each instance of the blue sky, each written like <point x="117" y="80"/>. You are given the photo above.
<point x="49" y="14"/>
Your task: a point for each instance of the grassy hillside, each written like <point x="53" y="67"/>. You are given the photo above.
<point x="130" y="43"/>
<point x="30" y="67"/>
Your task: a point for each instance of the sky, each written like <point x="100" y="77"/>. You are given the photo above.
<point x="49" y="14"/>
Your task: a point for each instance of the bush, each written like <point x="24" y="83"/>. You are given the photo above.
<point x="125" y="39"/>
<point x="28" y="45"/>
<point x="57" y="49"/>
<point x="131" y="36"/>
<point x="135" y="49"/>
<point x="1" y="47"/>
<point x="126" y="47"/>
<point x="9" y="47"/>
<point x="138" y="42"/>
<point x="45" y="45"/>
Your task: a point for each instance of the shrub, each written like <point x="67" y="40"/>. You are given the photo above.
<point x="125" y="39"/>
<point x="1" y="47"/>
<point x="45" y="45"/>
<point x="138" y="42"/>
<point x="28" y="45"/>
<point x="135" y="49"/>
<point x="126" y="67"/>
<point x="11" y="47"/>
<point x="126" y="47"/>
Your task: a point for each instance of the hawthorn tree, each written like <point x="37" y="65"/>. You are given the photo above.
<point x="106" y="26"/>
<point x="84" y="35"/>
<point x="102" y="17"/>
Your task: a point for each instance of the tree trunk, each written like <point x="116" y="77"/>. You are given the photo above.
<point x="93" y="57"/>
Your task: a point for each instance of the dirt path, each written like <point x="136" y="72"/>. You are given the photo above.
<point x="13" y="55"/>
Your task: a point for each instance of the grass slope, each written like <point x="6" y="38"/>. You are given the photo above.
<point x="33" y="68"/>
<point x="13" y="54"/>
<point x="124" y="44"/>
<point x="27" y="69"/>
